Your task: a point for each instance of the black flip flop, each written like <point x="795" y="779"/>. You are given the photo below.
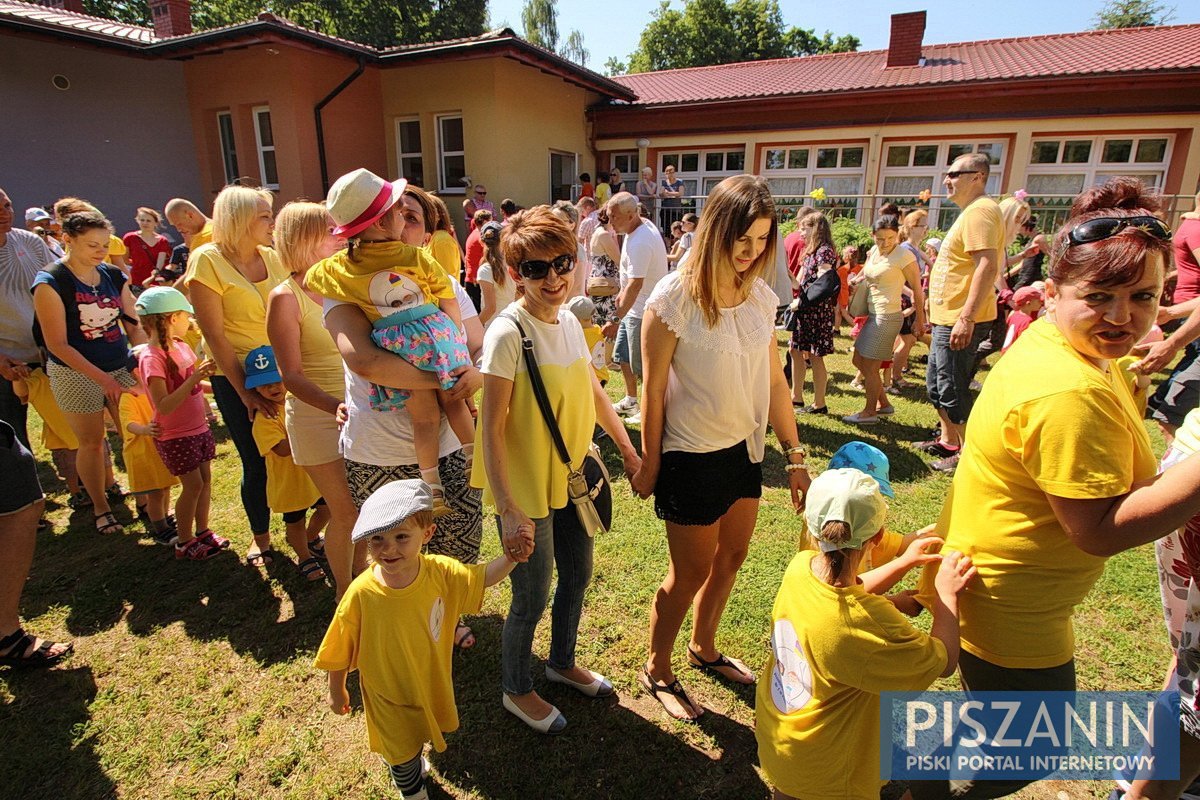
<point x="674" y="688"/>
<point x="15" y="645"/>
<point x="715" y="666"/>
<point x="309" y="568"/>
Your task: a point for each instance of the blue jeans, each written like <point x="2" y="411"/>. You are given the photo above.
<point x="559" y="540"/>
<point x="254" y="467"/>
<point x="948" y="376"/>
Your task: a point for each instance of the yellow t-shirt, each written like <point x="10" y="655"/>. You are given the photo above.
<point x="244" y="303"/>
<point x="382" y="278"/>
<point x="885" y="278"/>
<point x="833" y="650"/>
<point x="536" y="475"/>
<point x="603" y="193"/>
<point x="595" y="342"/>
<point x="143" y="465"/>
<point x="205" y="236"/>
<point x="1047" y="422"/>
<point x="883" y="553"/>
<point x="445" y="250"/>
<point x="56" y="432"/>
<point x="318" y="353"/>
<point x="288" y="486"/>
<point x="116" y="247"/>
<point x="979" y="227"/>
<point x="402" y="642"/>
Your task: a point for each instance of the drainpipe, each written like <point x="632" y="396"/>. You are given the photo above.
<point x="326" y="100"/>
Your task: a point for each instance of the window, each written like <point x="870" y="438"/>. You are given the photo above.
<point x="408" y="151"/>
<point x="701" y="171"/>
<point x="627" y="163"/>
<point x="265" y="139"/>
<point x="794" y="171"/>
<point x="228" y="150"/>
<point x="452" y="159"/>
<point x="913" y="167"/>
<point x="1061" y="168"/>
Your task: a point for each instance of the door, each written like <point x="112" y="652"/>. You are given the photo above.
<point x="562" y="176"/>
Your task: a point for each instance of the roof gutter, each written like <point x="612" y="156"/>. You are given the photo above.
<point x="326" y="100"/>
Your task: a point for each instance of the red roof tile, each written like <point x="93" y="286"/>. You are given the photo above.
<point x="43" y="16"/>
<point x="1129" y="50"/>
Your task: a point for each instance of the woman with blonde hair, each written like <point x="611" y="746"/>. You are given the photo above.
<point x="312" y="371"/>
<point x="228" y="283"/>
<point x="913" y="228"/>
<point x="703" y="441"/>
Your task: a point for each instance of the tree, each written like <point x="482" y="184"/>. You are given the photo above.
<point x="708" y="32"/>
<point x="615" y="66"/>
<point x="539" y="21"/>
<point x="1132" y="14"/>
<point x="574" y="50"/>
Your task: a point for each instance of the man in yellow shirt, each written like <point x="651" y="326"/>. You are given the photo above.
<point x="189" y="221"/>
<point x="962" y="306"/>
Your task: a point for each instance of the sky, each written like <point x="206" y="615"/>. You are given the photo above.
<point x="612" y="27"/>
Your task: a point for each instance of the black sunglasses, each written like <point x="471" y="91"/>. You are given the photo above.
<point x="537" y="270"/>
<point x="955" y="173"/>
<point x="1100" y="228"/>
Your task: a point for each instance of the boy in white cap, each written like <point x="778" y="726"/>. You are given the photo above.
<point x="836" y="644"/>
<point x="395" y="624"/>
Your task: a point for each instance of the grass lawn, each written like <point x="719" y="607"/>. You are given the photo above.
<point x="195" y="679"/>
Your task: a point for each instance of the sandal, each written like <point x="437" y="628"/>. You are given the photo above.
<point x="15" y="644"/>
<point x="464" y="637"/>
<point x="115" y="493"/>
<point x="195" y="550"/>
<point x="716" y="665"/>
<point x="106" y="523"/>
<point x="440" y="509"/>
<point x="317" y="548"/>
<point x="259" y="559"/>
<point x="79" y="500"/>
<point x="311" y="569"/>
<point x="210" y="538"/>
<point x="674" y="688"/>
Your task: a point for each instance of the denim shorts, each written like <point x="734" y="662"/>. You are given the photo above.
<point x="628" y="349"/>
<point x="948" y="377"/>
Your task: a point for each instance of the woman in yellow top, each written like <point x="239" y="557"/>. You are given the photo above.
<point x="1057" y="473"/>
<point x="520" y="469"/>
<point x="228" y="282"/>
<point x="312" y="371"/>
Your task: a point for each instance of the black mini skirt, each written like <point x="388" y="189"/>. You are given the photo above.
<point x="698" y="488"/>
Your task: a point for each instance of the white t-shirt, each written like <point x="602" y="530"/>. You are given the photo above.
<point x="505" y="294"/>
<point x="21" y="256"/>
<point x="704" y="415"/>
<point x="385" y="438"/>
<point x="643" y="255"/>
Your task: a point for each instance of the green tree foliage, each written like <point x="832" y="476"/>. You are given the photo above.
<point x="615" y="66"/>
<point x="385" y="24"/>
<point x="706" y="32"/>
<point x="539" y="22"/>
<point x="574" y="50"/>
<point x="1132" y="14"/>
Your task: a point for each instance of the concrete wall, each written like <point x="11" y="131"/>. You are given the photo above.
<point x="120" y="136"/>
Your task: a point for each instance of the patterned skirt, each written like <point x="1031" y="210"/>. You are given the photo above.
<point x="425" y="337"/>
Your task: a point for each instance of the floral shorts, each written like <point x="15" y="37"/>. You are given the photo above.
<point x="187" y="453"/>
<point x="431" y="342"/>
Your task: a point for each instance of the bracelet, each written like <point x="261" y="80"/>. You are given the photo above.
<point x="797" y="450"/>
<point x="795" y="467"/>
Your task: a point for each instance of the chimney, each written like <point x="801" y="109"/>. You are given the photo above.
<point x="65" y="5"/>
<point x="904" y="48"/>
<point x="171" y="17"/>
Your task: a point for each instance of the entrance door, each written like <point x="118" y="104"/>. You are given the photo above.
<point x="563" y="171"/>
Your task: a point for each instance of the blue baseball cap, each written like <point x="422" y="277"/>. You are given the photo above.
<point x="261" y="368"/>
<point x="865" y="458"/>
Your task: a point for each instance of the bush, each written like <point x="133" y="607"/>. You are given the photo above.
<point x="848" y="233"/>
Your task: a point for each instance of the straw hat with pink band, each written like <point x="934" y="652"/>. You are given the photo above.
<point x="359" y="198"/>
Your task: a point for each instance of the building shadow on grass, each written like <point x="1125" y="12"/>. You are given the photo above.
<point x="47" y="743"/>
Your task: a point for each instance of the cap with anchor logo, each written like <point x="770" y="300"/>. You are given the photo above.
<point x="261" y="368"/>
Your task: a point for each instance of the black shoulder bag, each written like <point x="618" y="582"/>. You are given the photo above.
<point x="589" y="487"/>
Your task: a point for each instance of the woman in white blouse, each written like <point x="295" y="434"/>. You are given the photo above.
<point x="703" y="441"/>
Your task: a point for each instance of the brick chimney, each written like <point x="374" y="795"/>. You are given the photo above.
<point x="904" y="48"/>
<point x="173" y="17"/>
<point x="65" y="5"/>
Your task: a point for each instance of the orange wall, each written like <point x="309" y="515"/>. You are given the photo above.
<point x="291" y="81"/>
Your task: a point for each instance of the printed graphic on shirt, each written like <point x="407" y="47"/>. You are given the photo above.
<point x="598" y="359"/>
<point x="791" y="680"/>
<point x="97" y="316"/>
<point x="437" y="615"/>
<point x="391" y="292"/>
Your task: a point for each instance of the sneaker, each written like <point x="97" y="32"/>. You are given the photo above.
<point x="935" y="448"/>
<point x="626" y="406"/>
<point x="856" y="384"/>
<point x="165" y="537"/>
<point x="635" y="418"/>
<point x="213" y="540"/>
<point x="947" y="464"/>
<point x="860" y="419"/>
<point x="80" y="500"/>
<point x="195" y="550"/>
<point x="811" y="409"/>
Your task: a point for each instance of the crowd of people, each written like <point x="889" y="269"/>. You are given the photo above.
<point x="382" y="387"/>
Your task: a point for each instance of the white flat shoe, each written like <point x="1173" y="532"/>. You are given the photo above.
<point x="600" y="686"/>
<point x="552" y="724"/>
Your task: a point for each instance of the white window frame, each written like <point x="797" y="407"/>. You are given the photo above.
<point x="257" y="112"/>
<point x="702" y="175"/>
<point x="938" y="169"/>
<point x="812" y="173"/>
<point x="228" y="148"/>
<point x="401" y="154"/>
<point x="574" y="188"/>
<point x="443" y="154"/>
<point x="1095" y="171"/>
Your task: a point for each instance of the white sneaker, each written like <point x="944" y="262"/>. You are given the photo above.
<point x="626" y="406"/>
<point x="634" y="419"/>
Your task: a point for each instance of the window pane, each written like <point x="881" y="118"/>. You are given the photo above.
<point x="925" y="155"/>
<point x="827" y="157"/>
<point x="735" y="160"/>
<point x="690" y="163"/>
<point x="1044" y="153"/>
<point x="413" y="169"/>
<point x="410" y="136"/>
<point x="897" y="155"/>
<point x="1077" y="152"/>
<point x="788" y="187"/>
<point x="1055" y="184"/>
<point x="671" y="160"/>
<point x="992" y="150"/>
<point x="775" y="159"/>
<point x="627" y="163"/>
<point x="839" y="184"/>
<point x="270" y="173"/>
<point x="264" y="129"/>
<point x="710" y="184"/>
<point x="689" y="188"/>
<point x="852" y="157"/>
<point x="452" y="134"/>
<point x="906" y="186"/>
<point x="714" y="162"/>
<point x="798" y="159"/>
<point x="1152" y="179"/>
<point x="1151" y="151"/>
<point x="1117" y="151"/>
<point x="454" y="169"/>
<point x="228" y="150"/>
<point x="955" y="151"/>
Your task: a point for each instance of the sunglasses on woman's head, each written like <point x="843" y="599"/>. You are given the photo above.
<point x="537" y="270"/>
<point x="1101" y="228"/>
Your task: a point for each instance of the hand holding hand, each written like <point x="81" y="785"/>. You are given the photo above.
<point x="906" y="602"/>
<point x="609" y="331"/>
<point x="1154" y="356"/>
<point x="516" y="534"/>
<point x="205" y="369"/>
<point x="644" y="479"/>
<point x="154" y="429"/>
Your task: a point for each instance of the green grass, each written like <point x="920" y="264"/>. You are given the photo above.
<point x="195" y="680"/>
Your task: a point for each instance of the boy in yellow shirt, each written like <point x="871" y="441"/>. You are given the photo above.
<point x="289" y="489"/>
<point x="583" y="309"/>
<point x="395" y="624"/>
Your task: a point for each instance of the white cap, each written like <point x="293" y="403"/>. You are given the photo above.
<point x="390" y="505"/>
<point x="845" y="495"/>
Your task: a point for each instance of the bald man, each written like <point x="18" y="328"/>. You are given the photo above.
<point x="190" y="221"/>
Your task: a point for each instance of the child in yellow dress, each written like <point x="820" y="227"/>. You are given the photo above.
<point x="395" y="625"/>
<point x="289" y="489"/>
<point x="150" y="482"/>
<point x="583" y="308"/>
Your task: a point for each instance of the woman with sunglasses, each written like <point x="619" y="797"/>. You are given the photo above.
<point x="704" y="440"/>
<point x="520" y="470"/>
<point x="1059" y="473"/>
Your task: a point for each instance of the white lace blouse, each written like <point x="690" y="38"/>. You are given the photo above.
<point x="719" y="383"/>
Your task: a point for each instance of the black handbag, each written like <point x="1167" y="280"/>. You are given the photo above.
<point x="588" y="487"/>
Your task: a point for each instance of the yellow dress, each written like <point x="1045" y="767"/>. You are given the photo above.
<point x="143" y="465"/>
<point x="288" y="486"/>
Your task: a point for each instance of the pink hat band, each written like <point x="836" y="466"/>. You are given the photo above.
<point x="374" y="210"/>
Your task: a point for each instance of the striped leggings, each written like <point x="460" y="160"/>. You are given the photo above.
<point x="407" y="777"/>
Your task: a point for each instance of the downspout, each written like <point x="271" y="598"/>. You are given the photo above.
<point x="326" y="100"/>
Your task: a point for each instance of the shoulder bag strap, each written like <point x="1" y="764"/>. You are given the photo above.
<point x="539" y="392"/>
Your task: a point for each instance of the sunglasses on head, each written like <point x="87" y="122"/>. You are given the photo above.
<point x="957" y="173"/>
<point x="1100" y="228"/>
<point x="537" y="270"/>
